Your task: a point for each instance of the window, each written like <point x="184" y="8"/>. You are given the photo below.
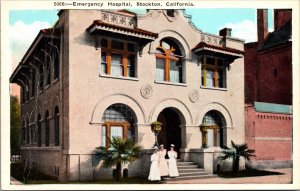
<point x="168" y="62"/>
<point x="117" y="58"/>
<point x="27" y="132"/>
<point x="32" y="134"/>
<point x="55" y="60"/>
<point x="118" y="122"/>
<point x="23" y="132"/>
<point x="32" y="83"/>
<point x="48" y="71"/>
<point x="39" y="133"/>
<point x="213" y="72"/>
<point x="56" y="126"/>
<point x="47" y="136"/>
<point x="41" y="74"/>
<point x="215" y="121"/>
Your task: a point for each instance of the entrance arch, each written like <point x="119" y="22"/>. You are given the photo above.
<point x="171" y="131"/>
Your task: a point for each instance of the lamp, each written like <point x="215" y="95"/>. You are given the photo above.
<point x="156" y="129"/>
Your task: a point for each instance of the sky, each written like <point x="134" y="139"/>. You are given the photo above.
<point x="210" y="20"/>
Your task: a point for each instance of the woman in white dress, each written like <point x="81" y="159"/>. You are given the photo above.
<point x="173" y="171"/>
<point x="163" y="162"/>
<point x="154" y="168"/>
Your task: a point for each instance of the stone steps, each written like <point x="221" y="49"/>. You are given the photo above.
<point x="187" y="171"/>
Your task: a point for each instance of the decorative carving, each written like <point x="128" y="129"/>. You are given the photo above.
<point x="146" y="91"/>
<point x="171" y="14"/>
<point x="194" y="96"/>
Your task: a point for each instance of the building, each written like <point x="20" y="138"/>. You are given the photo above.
<point x="268" y="91"/>
<point x="104" y="73"/>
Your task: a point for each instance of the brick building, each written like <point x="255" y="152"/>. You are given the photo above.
<point x="100" y="73"/>
<point x="268" y="91"/>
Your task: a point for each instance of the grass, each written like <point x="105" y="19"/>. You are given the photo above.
<point x="33" y="176"/>
<point x="247" y="173"/>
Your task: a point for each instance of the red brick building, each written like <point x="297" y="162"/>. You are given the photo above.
<point x="268" y="91"/>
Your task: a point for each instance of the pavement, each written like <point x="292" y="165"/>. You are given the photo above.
<point x="285" y="178"/>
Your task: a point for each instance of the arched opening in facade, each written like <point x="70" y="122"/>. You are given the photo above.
<point x="119" y="120"/>
<point x="170" y="131"/>
<point x="169" y="64"/>
<point x="214" y="121"/>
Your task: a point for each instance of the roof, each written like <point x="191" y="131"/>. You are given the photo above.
<point x="98" y="24"/>
<point x="281" y="36"/>
<point x="272" y="108"/>
<point x="203" y="45"/>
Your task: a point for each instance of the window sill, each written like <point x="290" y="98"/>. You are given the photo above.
<point x="213" y="88"/>
<point x="170" y="83"/>
<point x="48" y="148"/>
<point x="120" y="78"/>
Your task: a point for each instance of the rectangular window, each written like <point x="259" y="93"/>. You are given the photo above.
<point x="116" y="131"/>
<point x="160" y="69"/>
<point x="174" y="71"/>
<point x="213" y="72"/>
<point x="103" y="137"/>
<point x="118" y="58"/>
<point x="103" y="63"/>
<point x="116" y="65"/>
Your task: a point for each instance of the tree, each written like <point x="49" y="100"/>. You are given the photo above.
<point x="235" y="152"/>
<point x="14" y="125"/>
<point x="120" y="152"/>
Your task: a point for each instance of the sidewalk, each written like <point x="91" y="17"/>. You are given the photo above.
<point x="285" y="178"/>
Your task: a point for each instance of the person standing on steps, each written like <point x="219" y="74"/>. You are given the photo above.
<point x="154" y="174"/>
<point x="173" y="170"/>
<point x="163" y="162"/>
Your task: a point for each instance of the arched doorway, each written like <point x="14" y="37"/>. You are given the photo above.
<point x="214" y="120"/>
<point x="171" y="132"/>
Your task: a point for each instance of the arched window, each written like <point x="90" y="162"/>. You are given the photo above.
<point x="48" y="70"/>
<point x="27" y="131"/>
<point x="118" y="121"/>
<point x="55" y="60"/>
<point x="23" y="131"/>
<point x="215" y="121"/>
<point x="39" y="133"/>
<point x="168" y="62"/>
<point x="47" y="135"/>
<point x="56" y="126"/>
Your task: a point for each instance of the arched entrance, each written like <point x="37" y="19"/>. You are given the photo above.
<point x="171" y="132"/>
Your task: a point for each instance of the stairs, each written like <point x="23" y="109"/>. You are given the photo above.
<point x="188" y="171"/>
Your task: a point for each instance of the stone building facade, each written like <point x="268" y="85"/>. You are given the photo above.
<point x="268" y="91"/>
<point x="104" y="73"/>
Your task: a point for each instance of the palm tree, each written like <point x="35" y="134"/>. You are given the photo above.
<point x="120" y="152"/>
<point x="235" y="153"/>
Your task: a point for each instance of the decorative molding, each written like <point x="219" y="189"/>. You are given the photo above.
<point x="213" y="40"/>
<point x="146" y="91"/>
<point x="118" y="19"/>
<point x="194" y="96"/>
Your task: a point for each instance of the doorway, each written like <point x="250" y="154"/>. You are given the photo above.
<point x="171" y="132"/>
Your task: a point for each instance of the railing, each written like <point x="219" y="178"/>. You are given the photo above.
<point x="118" y="19"/>
<point x="211" y="39"/>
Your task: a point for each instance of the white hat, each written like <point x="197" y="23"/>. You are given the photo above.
<point x="155" y="147"/>
<point x="172" y="145"/>
<point x="161" y="145"/>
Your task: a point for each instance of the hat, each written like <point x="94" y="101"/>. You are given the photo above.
<point x="155" y="147"/>
<point x="172" y="145"/>
<point x="161" y="145"/>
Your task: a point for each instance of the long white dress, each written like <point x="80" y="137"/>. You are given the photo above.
<point x="163" y="163"/>
<point x="173" y="171"/>
<point x="154" y="168"/>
